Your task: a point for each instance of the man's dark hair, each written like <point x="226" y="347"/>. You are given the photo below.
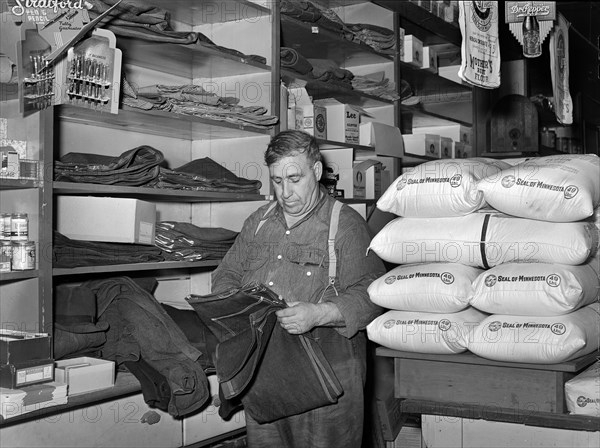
<point x="291" y="142"/>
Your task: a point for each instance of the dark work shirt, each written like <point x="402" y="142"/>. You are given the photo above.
<point x="293" y="261"/>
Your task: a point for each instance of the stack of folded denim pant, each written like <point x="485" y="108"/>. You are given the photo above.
<point x="274" y="373"/>
<point x="186" y="241"/>
<point x="135" y="167"/>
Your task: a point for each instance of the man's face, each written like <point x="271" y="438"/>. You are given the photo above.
<point x="296" y="183"/>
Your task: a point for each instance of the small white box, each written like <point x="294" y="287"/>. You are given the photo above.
<point x="85" y="374"/>
<point x="422" y="145"/>
<point x="342" y="121"/>
<point x="413" y="51"/>
<point x="457" y="132"/>
<point x="307" y="116"/>
<point x="118" y="220"/>
<point x="446" y="147"/>
<point x="430" y="59"/>
<point x="367" y="179"/>
<point x="386" y="139"/>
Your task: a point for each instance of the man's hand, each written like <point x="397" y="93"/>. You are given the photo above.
<point x="300" y="317"/>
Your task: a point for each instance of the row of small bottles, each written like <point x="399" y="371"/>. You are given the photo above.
<point x="17" y="252"/>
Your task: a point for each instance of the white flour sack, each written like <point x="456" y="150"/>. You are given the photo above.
<point x="437" y="333"/>
<point x="538" y="340"/>
<point x="562" y="188"/>
<point x="440" y="188"/>
<point x="429" y="287"/>
<point x="535" y="289"/>
<point x="483" y="240"/>
<point x="582" y="392"/>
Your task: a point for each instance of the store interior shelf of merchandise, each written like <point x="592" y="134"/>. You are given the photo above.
<point x="319" y="90"/>
<point x="18" y="275"/>
<point x="321" y="43"/>
<point x="125" y="384"/>
<point x="134" y="267"/>
<point x="164" y="195"/>
<point x="166" y="124"/>
<point x="178" y="59"/>
<point x="415" y="19"/>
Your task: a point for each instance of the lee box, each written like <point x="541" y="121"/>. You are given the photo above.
<point x="85" y="374"/>
<point x="117" y="220"/>
<point x="342" y="121"/>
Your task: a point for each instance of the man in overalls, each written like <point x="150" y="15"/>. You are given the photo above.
<point x="312" y="251"/>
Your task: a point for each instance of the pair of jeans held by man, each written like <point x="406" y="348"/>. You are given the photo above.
<point x="274" y="373"/>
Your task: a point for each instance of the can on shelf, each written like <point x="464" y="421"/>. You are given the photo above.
<point x="5" y="256"/>
<point x="23" y="256"/>
<point x="19" y="227"/>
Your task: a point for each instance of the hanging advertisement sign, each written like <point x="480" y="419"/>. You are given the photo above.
<point x="559" y="70"/>
<point x="480" y="49"/>
<point x="530" y="23"/>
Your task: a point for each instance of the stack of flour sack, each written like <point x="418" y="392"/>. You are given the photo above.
<point x="497" y="257"/>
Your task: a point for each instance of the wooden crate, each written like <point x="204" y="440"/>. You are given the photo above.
<point x="470" y="379"/>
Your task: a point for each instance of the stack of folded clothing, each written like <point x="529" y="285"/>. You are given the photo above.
<point x="68" y="253"/>
<point x="185" y="241"/>
<point x="134" y="167"/>
<point x="205" y="175"/>
<point x="195" y="100"/>
<point x="376" y="84"/>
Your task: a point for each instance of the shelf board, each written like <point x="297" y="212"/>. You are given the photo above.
<point x="193" y="12"/>
<point x="428" y="27"/>
<point x="320" y="90"/>
<point x="178" y="59"/>
<point x="17" y="184"/>
<point x="18" y="275"/>
<point x="156" y="122"/>
<point x="125" y="384"/>
<point x="327" y="44"/>
<point x="154" y="266"/>
<point x="425" y="115"/>
<point x="431" y="84"/>
<point x="165" y="195"/>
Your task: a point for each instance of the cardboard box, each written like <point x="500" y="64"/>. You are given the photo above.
<point x="430" y="59"/>
<point x="85" y="374"/>
<point x="307" y="116"/>
<point x="10" y="167"/>
<point x="386" y="139"/>
<point x="23" y="346"/>
<point x="341" y="162"/>
<point x="446" y="147"/>
<point x="13" y="376"/>
<point x="367" y="179"/>
<point x="342" y="121"/>
<point x="422" y="145"/>
<point x="118" y="220"/>
<point x="450" y="72"/>
<point x="413" y="51"/>
<point x="390" y="167"/>
<point x="462" y="151"/>
<point x="457" y="132"/>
